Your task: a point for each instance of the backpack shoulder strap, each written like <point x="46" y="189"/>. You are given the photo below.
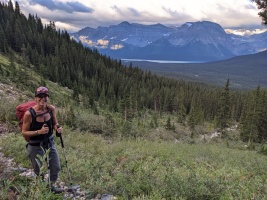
<point x="51" y="117"/>
<point x="33" y="114"/>
<point x="32" y="111"/>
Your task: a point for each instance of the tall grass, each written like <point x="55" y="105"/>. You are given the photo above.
<point x="137" y="169"/>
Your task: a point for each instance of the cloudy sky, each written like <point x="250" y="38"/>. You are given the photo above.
<point x="73" y="15"/>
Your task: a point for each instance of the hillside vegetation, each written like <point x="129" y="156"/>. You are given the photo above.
<point x="128" y="132"/>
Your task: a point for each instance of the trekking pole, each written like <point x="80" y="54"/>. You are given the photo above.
<point x="72" y="187"/>
<point x="48" y="168"/>
<point x="46" y="148"/>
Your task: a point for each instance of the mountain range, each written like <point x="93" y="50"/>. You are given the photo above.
<point x="201" y="41"/>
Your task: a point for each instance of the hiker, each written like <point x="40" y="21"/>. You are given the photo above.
<point x="40" y="133"/>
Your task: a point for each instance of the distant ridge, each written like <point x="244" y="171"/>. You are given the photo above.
<point x="257" y="59"/>
<point x="244" y="72"/>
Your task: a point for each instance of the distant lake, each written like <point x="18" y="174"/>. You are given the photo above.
<point x="161" y="61"/>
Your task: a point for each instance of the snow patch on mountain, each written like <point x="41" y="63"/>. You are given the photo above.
<point x="245" y="32"/>
<point x="188" y="24"/>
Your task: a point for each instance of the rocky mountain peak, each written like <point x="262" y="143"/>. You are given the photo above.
<point x="135" y="40"/>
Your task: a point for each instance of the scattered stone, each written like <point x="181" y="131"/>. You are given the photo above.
<point x="20" y="169"/>
<point x="28" y="173"/>
<point x="107" y="197"/>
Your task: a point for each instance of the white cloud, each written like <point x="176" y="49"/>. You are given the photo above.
<point x="76" y="14"/>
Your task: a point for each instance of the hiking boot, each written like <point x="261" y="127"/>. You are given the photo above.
<point x="56" y="190"/>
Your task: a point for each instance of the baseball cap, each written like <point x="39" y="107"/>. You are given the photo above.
<point x="41" y="90"/>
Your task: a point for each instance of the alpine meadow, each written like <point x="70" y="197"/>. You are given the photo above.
<point x="128" y="132"/>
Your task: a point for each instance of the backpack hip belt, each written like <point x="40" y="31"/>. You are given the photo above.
<point x="42" y="143"/>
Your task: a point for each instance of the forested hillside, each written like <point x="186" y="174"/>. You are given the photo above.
<point x="99" y="81"/>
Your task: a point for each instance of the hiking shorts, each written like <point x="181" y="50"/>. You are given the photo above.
<point x="54" y="162"/>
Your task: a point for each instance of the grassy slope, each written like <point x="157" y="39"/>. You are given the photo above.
<point x="143" y="169"/>
<point x="130" y="168"/>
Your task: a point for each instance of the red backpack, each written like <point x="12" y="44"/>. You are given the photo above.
<point x="22" y="108"/>
<point x="20" y="111"/>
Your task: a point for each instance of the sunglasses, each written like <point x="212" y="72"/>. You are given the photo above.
<point x="42" y="96"/>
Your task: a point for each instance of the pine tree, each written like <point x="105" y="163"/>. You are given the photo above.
<point x="223" y="112"/>
<point x="181" y="115"/>
<point x="250" y="118"/>
<point x="262" y="5"/>
<point x="155" y="121"/>
<point x="17" y="9"/>
<point x="168" y="125"/>
<point x="196" y="115"/>
<point x="3" y="41"/>
<point x="262" y="123"/>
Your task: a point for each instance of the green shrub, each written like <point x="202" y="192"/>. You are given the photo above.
<point x="93" y="123"/>
<point x="263" y="150"/>
<point x="7" y="109"/>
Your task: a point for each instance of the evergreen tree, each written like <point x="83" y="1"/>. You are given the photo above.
<point x="3" y="42"/>
<point x="17" y="9"/>
<point x="250" y="118"/>
<point x="196" y="115"/>
<point x="181" y="115"/>
<point x="168" y="125"/>
<point x="223" y="112"/>
<point x="18" y="36"/>
<point x="155" y="121"/>
<point x="262" y="5"/>
<point x="262" y="123"/>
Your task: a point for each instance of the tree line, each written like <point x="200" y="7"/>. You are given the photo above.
<point x="98" y="80"/>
